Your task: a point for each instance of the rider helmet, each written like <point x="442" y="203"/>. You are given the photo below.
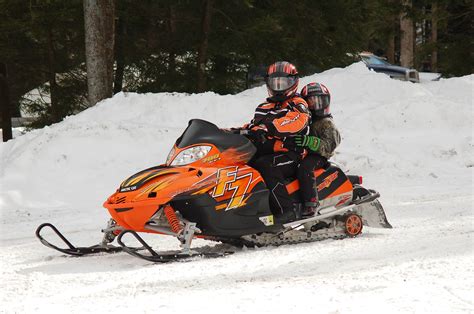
<point x="318" y="98"/>
<point x="282" y="80"/>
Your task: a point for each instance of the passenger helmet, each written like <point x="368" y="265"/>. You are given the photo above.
<point x="318" y="98"/>
<point x="282" y="80"/>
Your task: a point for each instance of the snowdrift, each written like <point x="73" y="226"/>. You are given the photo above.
<point x="411" y="142"/>
<point x="392" y="131"/>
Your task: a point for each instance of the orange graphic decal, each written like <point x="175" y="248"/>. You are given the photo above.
<point x="211" y="158"/>
<point x="229" y="183"/>
<point x="328" y="180"/>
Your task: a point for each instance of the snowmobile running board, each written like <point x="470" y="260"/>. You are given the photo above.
<point x="73" y="250"/>
<point x="328" y="212"/>
<point x="163" y="257"/>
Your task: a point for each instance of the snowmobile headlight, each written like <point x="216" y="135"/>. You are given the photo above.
<point x="190" y="155"/>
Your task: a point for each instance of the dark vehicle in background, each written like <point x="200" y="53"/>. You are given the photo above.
<point x="380" y="65"/>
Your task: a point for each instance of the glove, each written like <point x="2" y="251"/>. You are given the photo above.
<point x="290" y="144"/>
<point x="308" y="141"/>
<point x="235" y="130"/>
<point x="258" y="133"/>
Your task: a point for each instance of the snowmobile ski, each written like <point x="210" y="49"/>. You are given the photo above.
<point x="163" y="257"/>
<point x="73" y="250"/>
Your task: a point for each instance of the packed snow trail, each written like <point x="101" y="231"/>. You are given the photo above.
<point x="411" y="142"/>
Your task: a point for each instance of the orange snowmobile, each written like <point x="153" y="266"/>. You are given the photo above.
<point x="206" y="189"/>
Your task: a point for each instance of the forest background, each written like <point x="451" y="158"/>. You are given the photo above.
<point x="221" y="46"/>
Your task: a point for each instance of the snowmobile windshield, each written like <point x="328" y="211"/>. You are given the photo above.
<point x="280" y="82"/>
<point x="203" y="132"/>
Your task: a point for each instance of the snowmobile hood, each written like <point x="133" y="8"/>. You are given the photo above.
<point x="145" y="176"/>
<point x="144" y="193"/>
<point x="161" y="183"/>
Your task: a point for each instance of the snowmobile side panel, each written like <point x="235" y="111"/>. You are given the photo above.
<point x="247" y="219"/>
<point x="332" y="182"/>
<point x="334" y="187"/>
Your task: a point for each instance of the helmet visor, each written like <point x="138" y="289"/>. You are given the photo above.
<point x="280" y="83"/>
<point x="316" y="102"/>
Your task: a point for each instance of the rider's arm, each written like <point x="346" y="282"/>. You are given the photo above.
<point x="291" y="121"/>
<point x="262" y="112"/>
<point x="328" y="137"/>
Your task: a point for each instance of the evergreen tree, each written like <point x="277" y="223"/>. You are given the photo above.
<point x="171" y="45"/>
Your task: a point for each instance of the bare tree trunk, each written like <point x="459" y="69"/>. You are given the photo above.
<point x="434" y="37"/>
<point x="172" y="52"/>
<point x="406" y="36"/>
<point x="53" y="86"/>
<point x="202" y="52"/>
<point x="391" y="48"/>
<point x="152" y="26"/>
<point x="99" y="32"/>
<point x="5" y="104"/>
<point x="118" y="79"/>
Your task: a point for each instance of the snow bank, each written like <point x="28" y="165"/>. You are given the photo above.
<point x="412" y="142"/>
<point x="392" y="130"/>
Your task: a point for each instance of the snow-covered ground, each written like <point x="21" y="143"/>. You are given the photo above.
<point x="411" y="142"/>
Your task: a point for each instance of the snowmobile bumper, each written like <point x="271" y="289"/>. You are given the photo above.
<point x="371" y="211"/>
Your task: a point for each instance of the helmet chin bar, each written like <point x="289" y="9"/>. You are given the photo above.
<point x="320" y="113"/>
<point x="280" y="97"/>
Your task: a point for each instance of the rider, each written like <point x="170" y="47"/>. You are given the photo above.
<point x="320" y="143"/>
<point x="284" y="114"/>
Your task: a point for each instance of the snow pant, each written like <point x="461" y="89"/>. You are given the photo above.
<point x="308" y="188"/>
<point x="274" y="169"/>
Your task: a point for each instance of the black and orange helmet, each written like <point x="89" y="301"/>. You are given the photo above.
<point x="282" y="80"/>
<point x="318" y="98"/>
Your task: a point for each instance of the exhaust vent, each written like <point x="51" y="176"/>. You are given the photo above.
<point x="120" y="200"/>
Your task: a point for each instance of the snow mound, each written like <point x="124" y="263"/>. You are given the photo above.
<point x="391" y="130"/>
<point x="411" y="142"/>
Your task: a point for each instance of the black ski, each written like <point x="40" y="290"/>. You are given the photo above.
<point x="73" y="250"/>
<point x="163" y="257"/>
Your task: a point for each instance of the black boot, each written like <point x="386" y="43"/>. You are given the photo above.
<point x="310" y="208"/>
<point x="285" y="217"/>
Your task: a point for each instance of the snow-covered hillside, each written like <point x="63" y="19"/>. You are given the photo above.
<point x="411" y="142"/>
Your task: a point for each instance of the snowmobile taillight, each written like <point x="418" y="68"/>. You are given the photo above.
<point x="360" y="180"/>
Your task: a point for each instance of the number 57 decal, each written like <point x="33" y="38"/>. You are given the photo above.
<point x="229" y="183"/>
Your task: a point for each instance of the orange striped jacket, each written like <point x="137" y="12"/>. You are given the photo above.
<point x="287" y="118"/>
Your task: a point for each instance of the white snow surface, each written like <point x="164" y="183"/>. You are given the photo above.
<point x="411" y="142"/>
